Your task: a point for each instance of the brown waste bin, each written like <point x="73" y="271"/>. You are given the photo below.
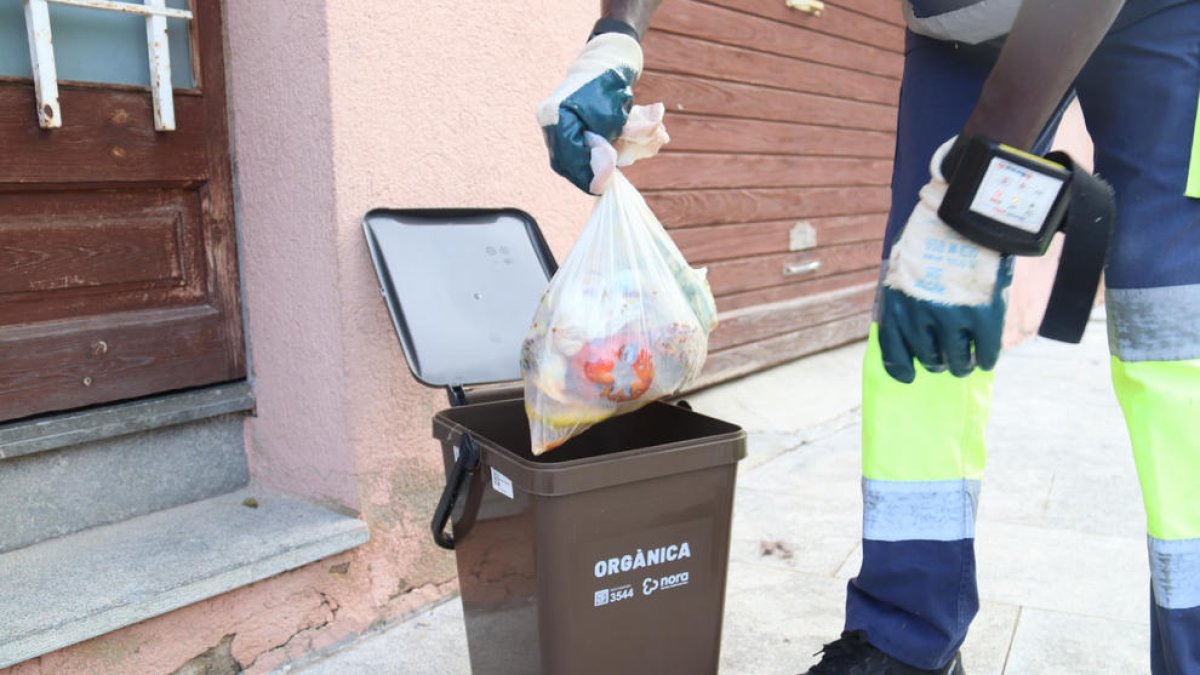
<point x="607" y="555"/>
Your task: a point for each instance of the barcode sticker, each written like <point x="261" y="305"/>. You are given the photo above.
<point x="501" y="483"/>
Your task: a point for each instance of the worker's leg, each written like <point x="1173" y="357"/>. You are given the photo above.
<point x="923" y="449"/>
<point x="1139" y="95"/>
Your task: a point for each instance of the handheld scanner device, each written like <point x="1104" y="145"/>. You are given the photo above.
<point x="1013" y="202"/>
<point x="1004" y="198"/>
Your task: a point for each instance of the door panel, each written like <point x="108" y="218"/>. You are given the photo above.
<point x="118" y="268"/>
<point x="73" y="253"/>
<point x="107" y="137"/>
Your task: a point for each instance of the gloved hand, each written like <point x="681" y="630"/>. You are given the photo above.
<point x="595" y="96"/>
<point x="944" y="297"/>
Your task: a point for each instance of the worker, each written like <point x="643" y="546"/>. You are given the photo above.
<point x="986" y="76"/>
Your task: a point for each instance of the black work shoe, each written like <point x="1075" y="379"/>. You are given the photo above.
<point x="852" y="655"/>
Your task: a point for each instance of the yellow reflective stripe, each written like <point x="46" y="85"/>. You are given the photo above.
<point x="1161" y="400"/>
<point x="1193" y="184"/>
<point x="929" y="430"/>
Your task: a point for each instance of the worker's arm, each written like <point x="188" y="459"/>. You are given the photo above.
<point x="1048" y="46"/>
<point x="944" y="297"/>
<point x="636" y="13"/>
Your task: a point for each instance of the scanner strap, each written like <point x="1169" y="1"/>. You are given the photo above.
<point x="1088" y="225"/>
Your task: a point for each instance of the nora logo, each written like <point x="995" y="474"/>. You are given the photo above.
<point x="650" y="584"/>
<point x="640" y="559"/>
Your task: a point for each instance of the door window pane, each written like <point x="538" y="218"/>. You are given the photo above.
<point x="95" y="45"/>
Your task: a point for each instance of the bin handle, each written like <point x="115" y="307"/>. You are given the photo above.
<point x="464" y="467"/>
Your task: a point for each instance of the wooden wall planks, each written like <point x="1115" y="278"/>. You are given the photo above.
<point x="811" y="288"/>
<point x="740" y="29"/>
<point x="761" y="322"/>
<point x="837" y="20"/>
<point x="704" y="133"/>
<point x="778" y="174"/>
<point x="701" y="58"/>
<point x="739" y="100"/>
<point x="685" y="208"/>
<point x="695" y="171"/>
<point x="744" y="240"/>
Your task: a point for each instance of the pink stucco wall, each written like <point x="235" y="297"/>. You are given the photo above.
<point x="441" y="116"/>
<point x="282" y="136"/>
<point x="339" y="107"/>
<point x="403" y="105"/>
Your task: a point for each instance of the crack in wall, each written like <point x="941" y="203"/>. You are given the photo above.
<point x="329" y="604"/>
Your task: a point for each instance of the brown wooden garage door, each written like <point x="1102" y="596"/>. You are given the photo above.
<point x="776" y="178"/>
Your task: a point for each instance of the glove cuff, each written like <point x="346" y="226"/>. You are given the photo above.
<point x="941" y="161"/>
<point x="607" y="25"/>
<point x="612" y="51"/>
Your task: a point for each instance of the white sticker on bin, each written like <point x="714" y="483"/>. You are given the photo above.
<point x="502" y="483"/>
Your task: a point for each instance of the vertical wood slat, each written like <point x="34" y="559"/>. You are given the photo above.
<point x="41" y="56"/>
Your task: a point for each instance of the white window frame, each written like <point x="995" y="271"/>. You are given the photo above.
<point x="45" y="74"/>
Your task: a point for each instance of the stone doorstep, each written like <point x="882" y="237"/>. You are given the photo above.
<point x="62" y="430"/>
<point x="67" y="590"/>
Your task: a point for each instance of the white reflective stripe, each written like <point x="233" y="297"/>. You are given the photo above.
<point x="980" y="22"/>
<point x="1175" y="572"/>
<point x="1154" y="324"/>
<point x="941" y="510"/>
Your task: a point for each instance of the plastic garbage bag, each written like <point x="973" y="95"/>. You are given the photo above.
<point x="624" y="322"/>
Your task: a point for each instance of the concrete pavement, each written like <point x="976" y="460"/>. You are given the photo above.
<point x="1060" y="539"/>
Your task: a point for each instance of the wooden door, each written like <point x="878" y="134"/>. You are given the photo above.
<point x="118" y="264"/>
<point x="777" y="176"/>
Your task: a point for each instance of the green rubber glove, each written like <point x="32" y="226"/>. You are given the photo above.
<point x="944" y="297"/>
<point x="595" y="96"/>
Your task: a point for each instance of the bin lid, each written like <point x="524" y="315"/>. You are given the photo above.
<point x="462" y="286"/>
